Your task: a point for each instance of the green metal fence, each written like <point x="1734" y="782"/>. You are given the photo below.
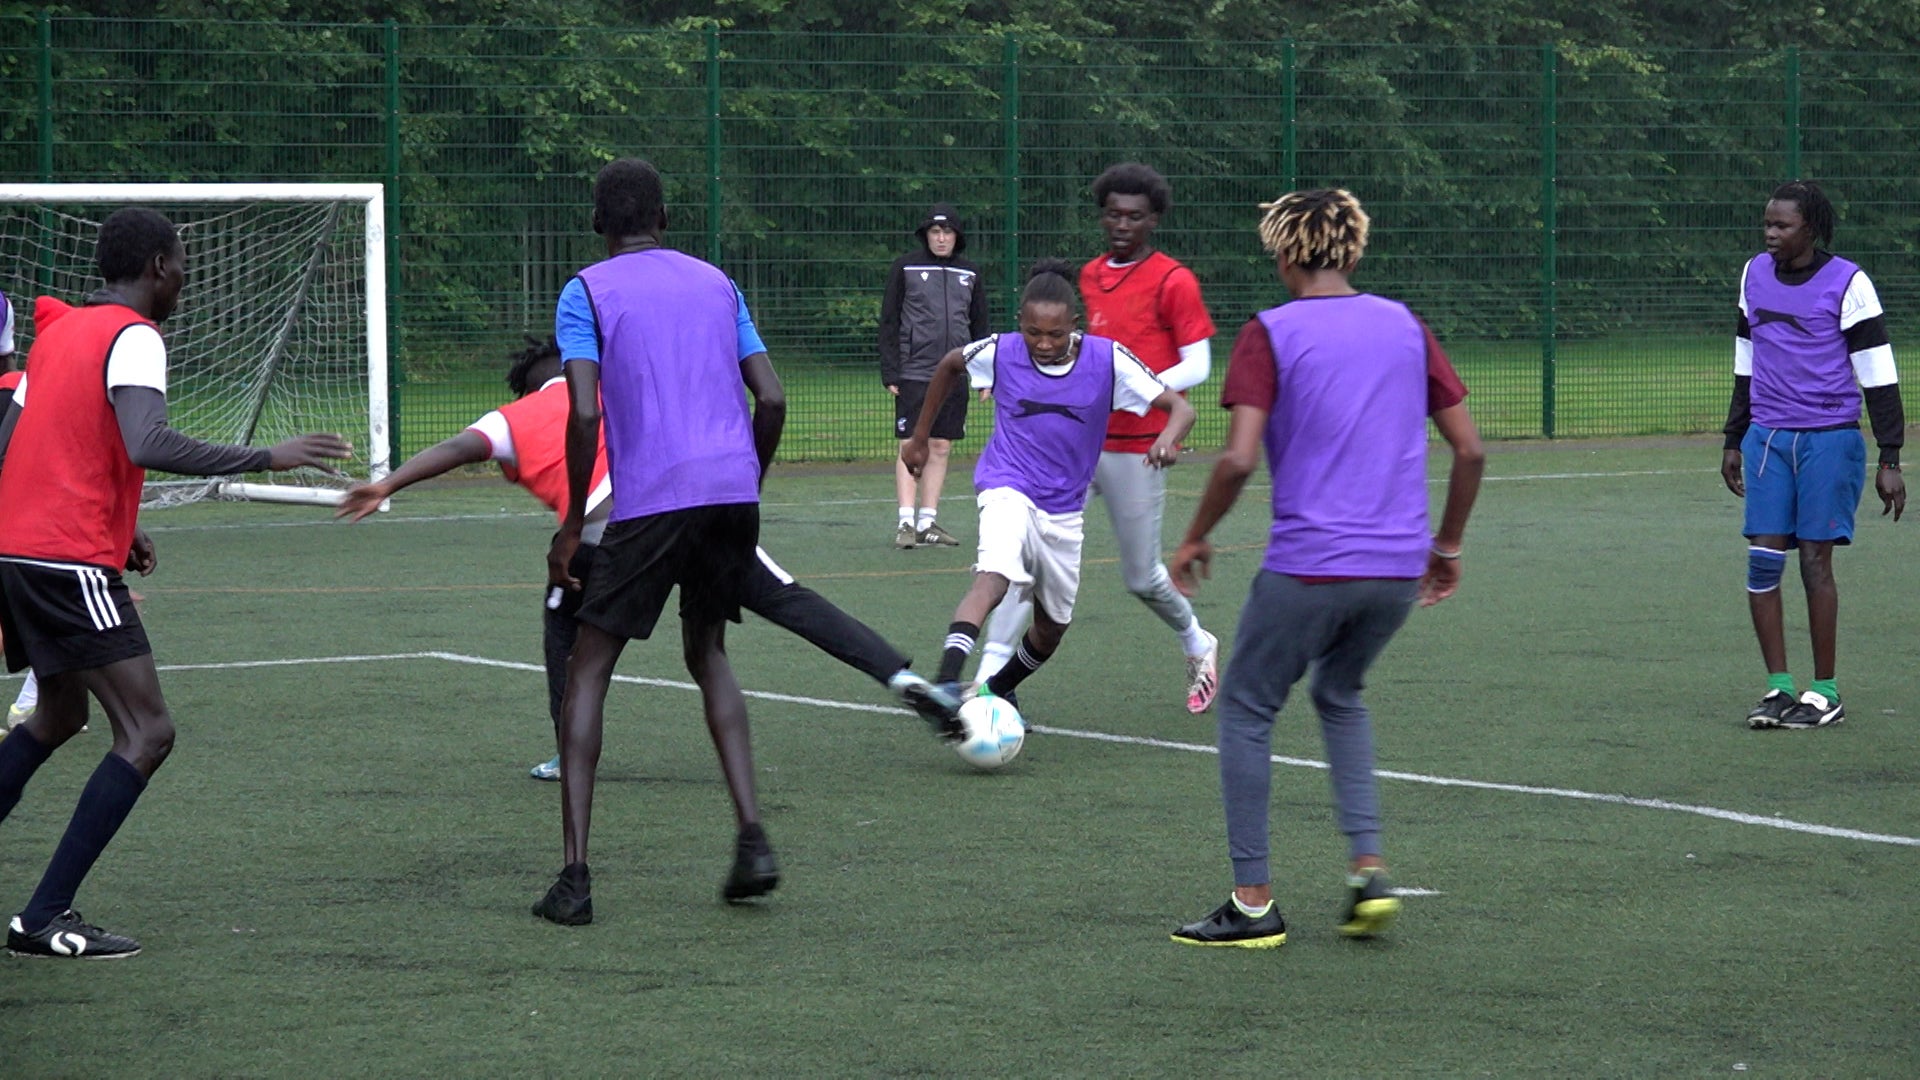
<point x="1570" y="219"/>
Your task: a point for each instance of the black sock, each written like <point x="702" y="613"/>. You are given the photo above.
<point x="20" y="755"/>
<point x="1025" y="661"/>
<point x="753" y="838"/>
<point x="104" y="803"/>
<point x="960" y="639"/>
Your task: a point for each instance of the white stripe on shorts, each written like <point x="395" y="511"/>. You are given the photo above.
<point x="773" y="568"/>
<point x="93" y="586"/>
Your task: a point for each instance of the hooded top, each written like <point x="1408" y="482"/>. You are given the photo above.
<point x="931" y="305"/>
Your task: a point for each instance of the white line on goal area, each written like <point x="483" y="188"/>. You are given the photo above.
<point x="1714" y="812"/>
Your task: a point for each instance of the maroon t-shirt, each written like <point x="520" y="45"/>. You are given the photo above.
<point x="1253" y="379"/>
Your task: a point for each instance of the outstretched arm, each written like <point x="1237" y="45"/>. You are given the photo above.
<point x="466" y="448"/>
<point x="141" y="412"/>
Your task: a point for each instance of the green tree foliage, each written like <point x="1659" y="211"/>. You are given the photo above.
<point x="837" y="123"/>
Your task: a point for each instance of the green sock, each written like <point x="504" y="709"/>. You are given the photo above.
<point x="1781" y="681"/>
<point x="1826" y="688"/>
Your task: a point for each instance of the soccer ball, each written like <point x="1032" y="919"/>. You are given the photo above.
<point x="994" y="732"/>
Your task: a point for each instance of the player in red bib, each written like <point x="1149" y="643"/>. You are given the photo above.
<point x="75" y="444"/>
<point x="23" y="705"/>
<point x="1146" y="300"/>
<point x="528" y="439"/>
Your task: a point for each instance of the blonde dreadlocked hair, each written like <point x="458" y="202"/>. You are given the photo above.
<point x="1315" y="230"/>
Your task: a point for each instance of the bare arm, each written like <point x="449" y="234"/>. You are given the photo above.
<point x="1166" y="449"/>
<point x="1193" y="561"/>
<point x="913" y="450"/>
<point x="1463" y="487"/>
<point x="583" y="445"/>
<point x="466" y="448"/>
<point x="769" y="407"/>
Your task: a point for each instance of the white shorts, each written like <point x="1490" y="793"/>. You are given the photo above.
<point x="1037" y="552"/>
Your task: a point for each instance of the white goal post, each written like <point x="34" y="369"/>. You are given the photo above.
<point x="281" y="329"/>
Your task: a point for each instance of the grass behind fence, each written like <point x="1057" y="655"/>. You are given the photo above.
<point x="331" y="875"/>
<point x="840" y="412"/>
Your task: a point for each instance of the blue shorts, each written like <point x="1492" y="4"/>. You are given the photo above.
<point x="1804" y="485"/>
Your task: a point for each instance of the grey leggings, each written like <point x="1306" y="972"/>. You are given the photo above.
<point x="1338" y="629"/>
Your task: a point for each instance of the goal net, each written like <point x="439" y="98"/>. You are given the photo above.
<point x="280" y="330"/>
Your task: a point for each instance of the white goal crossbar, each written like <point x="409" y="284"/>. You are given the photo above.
<point x="371" y="197"/>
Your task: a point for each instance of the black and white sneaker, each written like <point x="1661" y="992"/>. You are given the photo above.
<point x="1770" y="710"/>
<point x="1813" y="710"/>
<point x="754" y="872"/>
<point x="70" y="937"/>
<point x="570" y="901"/>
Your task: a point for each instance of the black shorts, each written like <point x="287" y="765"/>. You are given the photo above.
<point x="60" y="617"/>
<point x="949" y="423"/>
<point x="567" y="603"/>
<point x="707" y="551"/>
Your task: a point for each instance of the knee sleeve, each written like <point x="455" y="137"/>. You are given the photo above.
<point x="1764" y="568"/>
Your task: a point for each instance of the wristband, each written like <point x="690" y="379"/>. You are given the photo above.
<point x="1450" y="556"/>
<point x="1893" y="465"/>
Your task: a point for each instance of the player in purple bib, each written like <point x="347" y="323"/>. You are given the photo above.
<point x="655" y="349"/>
<point x="1338" y="385"/>
<point x="1053" y="390"/>
<point x="1810" y="346"/>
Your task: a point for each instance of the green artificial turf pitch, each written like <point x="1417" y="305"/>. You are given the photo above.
<point x="332" y="874"/>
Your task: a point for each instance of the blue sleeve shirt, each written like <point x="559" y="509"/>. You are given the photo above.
<point x="577" y="332"/>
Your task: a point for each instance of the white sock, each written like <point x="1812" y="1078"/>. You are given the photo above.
<point x="993" y="657"/>
<point x="906" y="515"/>
<point x="926" y="518"/>
<point x="1249" y="912"/>
<point x="29" y="698"/>
<point x="1194" y="639"/>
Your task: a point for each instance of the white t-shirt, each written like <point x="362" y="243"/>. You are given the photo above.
<point x="138" y="358"/>
<point x="1134" y="387"/>
<point x="499" y="435"/>
<point x="6" y="326"/>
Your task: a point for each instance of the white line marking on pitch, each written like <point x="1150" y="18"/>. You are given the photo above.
<point x="1735" y="816"/>
<point x="405" y="519"/>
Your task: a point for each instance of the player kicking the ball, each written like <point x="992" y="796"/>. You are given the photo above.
<point x="83" y="427"/>
<point x="1147" y="301"/>
<point x="1053" y="389"/>
<point x="528" y="439"/>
